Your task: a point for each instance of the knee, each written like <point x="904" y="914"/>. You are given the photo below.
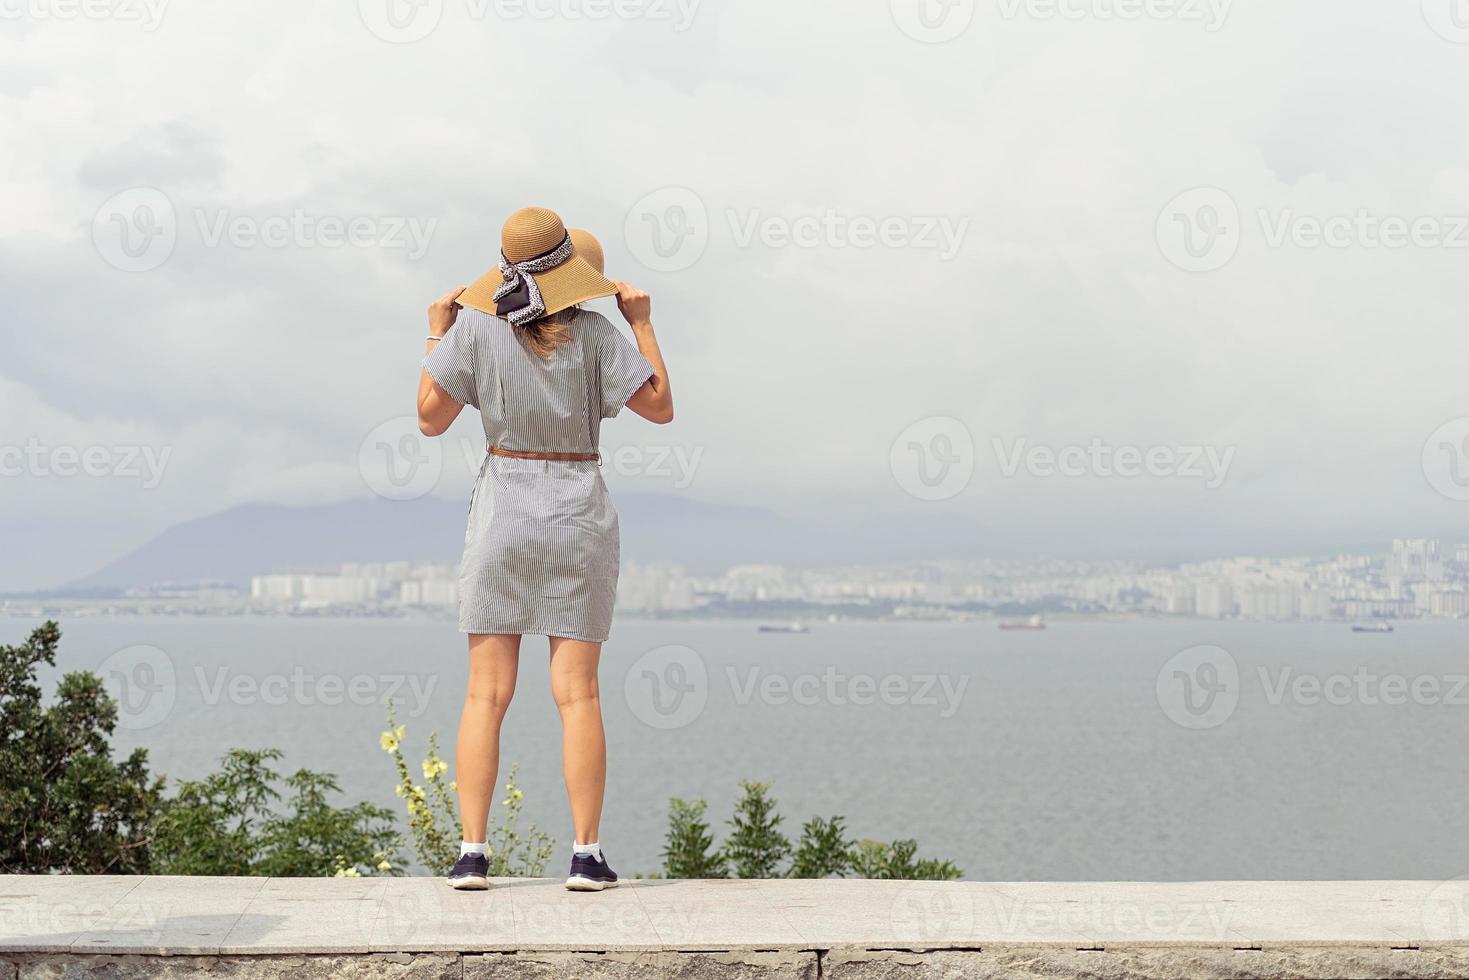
<point x="490" y="699"/>
<point x="575" y="694"/>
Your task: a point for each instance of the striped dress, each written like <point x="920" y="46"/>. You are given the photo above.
<point x="541" y="549"/>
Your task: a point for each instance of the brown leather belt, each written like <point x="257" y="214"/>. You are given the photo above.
<point x="554" y="457"/>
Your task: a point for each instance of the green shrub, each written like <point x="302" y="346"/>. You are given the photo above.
<point x="688" y="850"/>
<point x="226" y="824"/>
<point x="823" y="851"/>
<point x="65" y="804"/>
<point x="875" y="859"/>
<point x="756" y="846"/>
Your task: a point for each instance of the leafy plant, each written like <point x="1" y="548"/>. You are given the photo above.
<point x="516" y="853"/>
<point x="433" y="819"/>
<point x="210" y="825"/>
<point x="433" y="814"/>
<point x="688" y="850"/>
<point x="314" y="838"/>
<point x="823" y="851"/>
<point x="756" y="846"/>
<point x="875" y="859"/>
<point x="65" y="804"/>
<point x="226" y="824"/>
<point x="869" y="858"/>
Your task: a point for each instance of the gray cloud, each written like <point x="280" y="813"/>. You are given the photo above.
<point x="1058" y="320"/>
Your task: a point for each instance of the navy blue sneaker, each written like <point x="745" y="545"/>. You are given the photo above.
<point x="471" y="873"/>
<point x="590" y="874"/>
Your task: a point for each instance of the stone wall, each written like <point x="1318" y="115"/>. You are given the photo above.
<point x="1009" y="963"/>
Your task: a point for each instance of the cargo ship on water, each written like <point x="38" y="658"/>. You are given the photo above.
<point x="1377" y="627"/>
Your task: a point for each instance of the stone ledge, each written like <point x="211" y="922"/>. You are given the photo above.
<point x="56" y="926"/>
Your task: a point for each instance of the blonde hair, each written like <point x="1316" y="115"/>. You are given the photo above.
<point x="548" y="334"/>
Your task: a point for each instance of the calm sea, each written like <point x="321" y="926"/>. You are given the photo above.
<point x="1090" y="750"/>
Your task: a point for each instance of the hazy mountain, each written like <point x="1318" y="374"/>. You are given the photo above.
<point x="235" y="544"/>
<point x="250" y="540"/>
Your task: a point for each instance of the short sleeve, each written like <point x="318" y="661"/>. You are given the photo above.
<point x="452" y="364"/>
<point x="621" y="369"/>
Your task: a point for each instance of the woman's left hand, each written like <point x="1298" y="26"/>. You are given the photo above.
<point x="443" y="311"/>
<point x="636" y="305"/>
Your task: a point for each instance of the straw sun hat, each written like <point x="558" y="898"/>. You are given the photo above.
<point x="544" y="269"/>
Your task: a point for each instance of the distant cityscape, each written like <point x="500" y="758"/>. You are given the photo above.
<point x="1414" y="578"/>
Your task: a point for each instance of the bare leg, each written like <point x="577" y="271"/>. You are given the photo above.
<point x="583" y="744"/>
<point x="493" y="662"/>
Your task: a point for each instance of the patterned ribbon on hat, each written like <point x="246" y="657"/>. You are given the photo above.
<point x="519" y="298"/>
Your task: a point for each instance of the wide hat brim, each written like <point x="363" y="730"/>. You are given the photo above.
<point x="573" y="281"/>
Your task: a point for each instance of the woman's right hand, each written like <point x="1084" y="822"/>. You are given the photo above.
<point x="443" y="311"/>
<point x="636" y="305"/>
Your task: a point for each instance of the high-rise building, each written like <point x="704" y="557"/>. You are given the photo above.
<point x="1414" y="560"/>
<point x="1214" y="599"/>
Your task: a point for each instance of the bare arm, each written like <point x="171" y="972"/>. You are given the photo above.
<point x="436" y="410"/>
<point x="654" y="400"/>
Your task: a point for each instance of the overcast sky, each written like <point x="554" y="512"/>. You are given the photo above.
<point x="899" y="252"/>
